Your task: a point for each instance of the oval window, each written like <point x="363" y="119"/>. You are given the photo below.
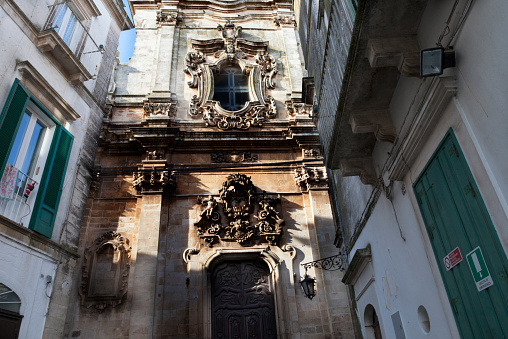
<point x="231" y="88"/>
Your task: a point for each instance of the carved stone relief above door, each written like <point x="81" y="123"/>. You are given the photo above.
<point x="239" y="215"/>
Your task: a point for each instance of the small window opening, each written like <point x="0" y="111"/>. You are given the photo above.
<point x="231" y="88"/>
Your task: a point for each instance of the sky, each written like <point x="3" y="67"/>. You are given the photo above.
<point x="127" y="39"/>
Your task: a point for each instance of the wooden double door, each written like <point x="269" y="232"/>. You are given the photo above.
<point x="455" y="216"/>
<point x="243" y="301"/>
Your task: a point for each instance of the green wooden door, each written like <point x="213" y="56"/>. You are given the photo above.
<point x="455" y="215"/>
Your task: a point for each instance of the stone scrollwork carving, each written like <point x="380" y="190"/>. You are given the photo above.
<point x="105" y="271"/>
<point x="154" y="181"/>
<point x="310" y="178"/>
<point x="168" y="18"/>
<point x="255" y="63"/>
<point x="268" y="69"/>
<point x="192" y="62"/>
<point x="154" y="155"/>
<point x="237" y="207"/>
<point x="285" y="20"/>
<point x="159" y="109"/>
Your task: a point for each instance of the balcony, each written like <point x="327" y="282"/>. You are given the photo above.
<point x="17" y="195"/>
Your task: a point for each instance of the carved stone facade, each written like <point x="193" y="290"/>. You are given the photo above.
<point x="201" y="191"/>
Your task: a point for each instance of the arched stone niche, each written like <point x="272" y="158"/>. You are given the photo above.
<point x="105" y="271"/>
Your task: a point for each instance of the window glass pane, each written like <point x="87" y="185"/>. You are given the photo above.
<point x="231" y="88"/>
<point x="32" y="153"/>
<point x="241" y="81"/>
<point x="57" y="23"/>
<point x="8" y="299"/>
<point x="240" y="99"/>
<point x="223" y="98"/>
<point x="69" y="29"/>
<point x="221" y="82"/>
<point x="19" y="138"/>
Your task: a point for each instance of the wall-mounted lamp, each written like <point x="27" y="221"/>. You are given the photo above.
<point x="308" y="286"/>
<point x="434" y="60"/>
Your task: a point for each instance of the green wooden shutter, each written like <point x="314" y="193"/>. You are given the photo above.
<point x="10" y="119"/>
<point x="46" y="205"/>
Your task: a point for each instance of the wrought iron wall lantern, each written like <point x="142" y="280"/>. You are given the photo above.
<point x="333" y="263"/>
<point x="308" y="285"/>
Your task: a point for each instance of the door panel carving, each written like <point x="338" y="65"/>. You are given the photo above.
<point x="242" y="301"/>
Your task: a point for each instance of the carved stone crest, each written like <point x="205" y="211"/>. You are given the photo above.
<point x="209" y="57"/>
<point x="310" y="178"/>
<point x="105" y="271"/>
<point x="239" y="216"/>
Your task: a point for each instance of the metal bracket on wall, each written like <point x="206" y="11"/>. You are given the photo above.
<point x="333" y="263"/>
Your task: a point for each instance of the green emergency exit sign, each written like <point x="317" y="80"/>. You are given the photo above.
<point x="479" y="270"/>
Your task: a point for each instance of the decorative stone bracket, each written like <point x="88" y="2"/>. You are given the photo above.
<point x="168" y="18"/>
<point x="400" y="52"/>
<point x="154" y="181"/>
<point x="159" y="109"/>
<point x="236" y="207"/>
<point x="285" y="20"/>
<point x="105" y="271"/>
<point x="311" y="178"/>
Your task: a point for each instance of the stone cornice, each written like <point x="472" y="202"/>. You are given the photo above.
<point x="34" y="240"/>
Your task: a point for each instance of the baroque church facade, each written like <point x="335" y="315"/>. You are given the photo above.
<point x="209" y="190"/>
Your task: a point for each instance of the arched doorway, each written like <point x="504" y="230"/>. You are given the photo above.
<point x="10" y="319"/>
<point x="243" y="301"/>
<point x="371" y="321"/>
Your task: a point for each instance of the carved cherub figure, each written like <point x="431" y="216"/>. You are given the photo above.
<point x="211" y="206"/>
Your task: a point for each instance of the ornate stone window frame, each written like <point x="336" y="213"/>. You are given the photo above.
<point x="121" y="246"/>
<point x="209" y="57"/>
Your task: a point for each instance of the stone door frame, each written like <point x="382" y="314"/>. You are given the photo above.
<point x="200" y="270"/>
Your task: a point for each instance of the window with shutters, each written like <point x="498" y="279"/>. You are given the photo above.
<point x="33" y="160"/>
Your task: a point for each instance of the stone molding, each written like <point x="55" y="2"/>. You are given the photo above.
<point x="89" y="272"/>
<point x="234" y="216"/>
<point x="311" y="178"/>
<point x="440" y="91"/>
<point x="252" y="57"/>
<point x="40" y="88"/>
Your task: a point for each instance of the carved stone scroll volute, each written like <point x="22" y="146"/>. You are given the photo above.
<point x="105" y="271"/>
